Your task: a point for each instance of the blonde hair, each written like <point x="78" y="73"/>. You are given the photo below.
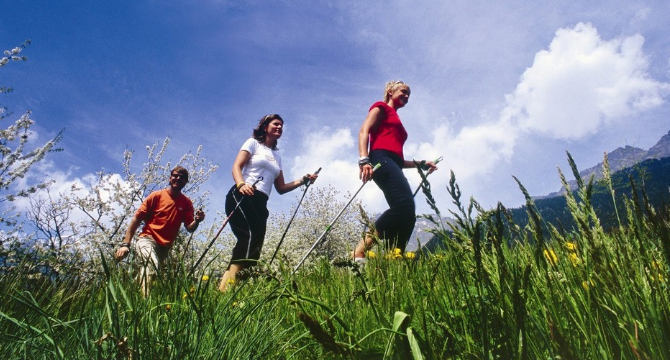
<point x="392" y="86"/>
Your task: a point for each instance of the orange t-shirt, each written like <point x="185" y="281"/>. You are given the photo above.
<point x="163" y="215"/>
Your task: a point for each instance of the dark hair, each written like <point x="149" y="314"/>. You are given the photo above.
<point x="260" y="130"/>
<point x="181" y="171"/>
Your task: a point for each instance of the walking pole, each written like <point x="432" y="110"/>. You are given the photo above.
<point x="225" y="222"/>
<point x="188" y="244"/>
<point x="290" y="221"/>
<point x="330" y="226"/>
<point x="421" y="183"/>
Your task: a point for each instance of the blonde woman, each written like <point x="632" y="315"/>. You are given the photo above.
<point x="381" y="139"/>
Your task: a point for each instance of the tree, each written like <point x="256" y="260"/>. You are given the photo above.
<point x="92" y="215"/>
<point x="17" y="159"/>
<point x="319" y="208"/>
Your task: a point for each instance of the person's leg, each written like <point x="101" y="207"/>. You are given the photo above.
<point x="364" y="245"/>
<point x="396" y="224"/>
<point x="248" y="224"/>
<point x="229" y="276"/>
<point x="145" y="249"/>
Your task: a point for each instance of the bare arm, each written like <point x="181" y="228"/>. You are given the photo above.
<point x="240" y="161"/>
<point x="283" y="187"/>
<point x="123" y="251"/>
<point x="428" y="165"/>
<point x="371" y="123"/>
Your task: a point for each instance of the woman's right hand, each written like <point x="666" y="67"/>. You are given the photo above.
<point x="365" y="172"/>
<point x="246" y="190"/>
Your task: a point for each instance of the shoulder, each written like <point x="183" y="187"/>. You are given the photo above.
<point x="380" y="105"/>
<point x="250" y="144"/>
<point x="156" y="194"/>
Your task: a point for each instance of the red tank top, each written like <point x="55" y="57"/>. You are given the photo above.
<point x="390" y="134"/>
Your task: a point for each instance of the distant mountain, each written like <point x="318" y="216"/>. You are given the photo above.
<point x="621" y="158"/>
<point x="422" y="234"/>
<point x="649" y="169"/>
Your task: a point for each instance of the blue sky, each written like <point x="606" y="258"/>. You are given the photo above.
<point x="499" y="88"/>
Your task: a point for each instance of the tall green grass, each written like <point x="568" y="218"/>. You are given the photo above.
<point x="496" y="291"/>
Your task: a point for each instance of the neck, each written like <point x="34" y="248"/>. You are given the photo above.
<point x="269" y="142"/>
<point x="174" y="191"/>
<point x="392" y="104"/>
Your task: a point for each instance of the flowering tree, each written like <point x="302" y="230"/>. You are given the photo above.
<point x="17" y="159"/>
<point x="319" y="208"/>
<point x="77" y="225"/>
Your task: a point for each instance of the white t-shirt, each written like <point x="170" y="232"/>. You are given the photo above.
<point x="263" y="162"/>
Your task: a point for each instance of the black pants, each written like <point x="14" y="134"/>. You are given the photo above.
<point x="248" y="224"/>
<point x="396" y="224"/>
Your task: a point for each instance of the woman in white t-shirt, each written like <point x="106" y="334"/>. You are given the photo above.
<point x="258" y="158"/>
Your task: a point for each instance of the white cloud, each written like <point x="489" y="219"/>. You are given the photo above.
<point x="581" y="83"/>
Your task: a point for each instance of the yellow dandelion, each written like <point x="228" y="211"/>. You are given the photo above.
<point x="231" y="281"/>
<point x="371" y="254"/>
<point x="192" y="290"/>
<point x="185" y="296"/>
<point x="168" y="307"/>
<point x="205" y="278"/>
<point x="410" y="255"/>
<point x="655" y="265"/>
<point x="571" y="246"/>
<point x="574" y="259"/>
<point x="551" y="256"/>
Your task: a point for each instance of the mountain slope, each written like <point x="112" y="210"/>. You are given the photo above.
<point x="621" y="158"/>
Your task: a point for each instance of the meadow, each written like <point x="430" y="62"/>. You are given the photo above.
<point x="495" y="291"/>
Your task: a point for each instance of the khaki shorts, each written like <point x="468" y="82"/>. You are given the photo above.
<point x="150" y="255"/>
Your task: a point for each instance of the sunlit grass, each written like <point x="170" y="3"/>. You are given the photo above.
<point x="496" y="291"/>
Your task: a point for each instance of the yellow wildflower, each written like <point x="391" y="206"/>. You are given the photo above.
<point x="410" y="255"/>
<point x="231" y="281"/>
<point x="574" y="259"/>
<point x="571" y="246"/>
<point x="371" y="254"/>
<point x="551" y="256"/>
<point x="192" y="290"/>
<point x="205" y="278"/>
<point x="168" y="307"/>
<point x="394" y="254"/>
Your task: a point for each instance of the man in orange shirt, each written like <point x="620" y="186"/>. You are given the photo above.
<point x="162" y="212"/>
